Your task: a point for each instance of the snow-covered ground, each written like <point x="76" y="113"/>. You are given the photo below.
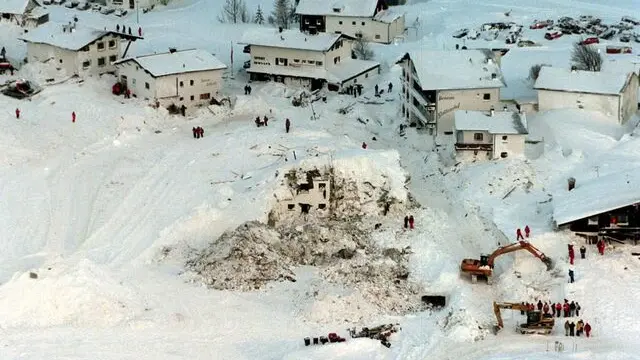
<point x="90" y="208"/>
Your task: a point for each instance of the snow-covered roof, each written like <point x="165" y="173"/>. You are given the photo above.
<point x="457" y="69"/>
<point x="502" y="122"/>
<point x="591" y="82"/>
<point x="52" y="34"/>
<point x="289" y="39"/>
<point x="13" y="6"/>
<point x="597" y="196"/>
<point x="348" y="69"/>
<point x="177" y="62"/>
<point x="355" y="8"/>
<point x="387" y="16"/>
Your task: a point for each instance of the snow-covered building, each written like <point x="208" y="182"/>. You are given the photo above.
<point x="76" y="49"/>
<point x="372" y="20"/>
<point x="606" y="205"/>
<point x="309" y="194"/>
<point x="189" y="77"/>
<point x="23" y="12"/>
<point x="489" y="135"/>
<point x="614" y="94"/>
<point x="132" y="4"/>
<point x="300" y="59"/>
<point x="437" y="83"/>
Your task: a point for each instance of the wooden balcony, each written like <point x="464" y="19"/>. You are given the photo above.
<point x="479" y="147"/>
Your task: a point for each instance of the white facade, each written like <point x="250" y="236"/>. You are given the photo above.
<point x="306" y="196"/>
<point x="367" y="27"/>
<point x="92" y="59"/>
<point x="185" y="83"/>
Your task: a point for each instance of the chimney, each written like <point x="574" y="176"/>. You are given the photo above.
<point x="572" y="183"/>
<point x="492" y="111"/>
<point x="280" y="29"/>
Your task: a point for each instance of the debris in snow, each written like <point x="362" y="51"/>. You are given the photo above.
<point x="33" y="275"/>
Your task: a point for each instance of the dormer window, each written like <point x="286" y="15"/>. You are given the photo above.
<point x="336" y="10"/>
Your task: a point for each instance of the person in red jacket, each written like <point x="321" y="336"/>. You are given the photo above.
<point x="558" y="309"/>
<point x="17" y="113"/>
<point x="587" y="329"/>
<point x="545" y="308"/>
<point x="572" y="254"/>
<point x="527" y="231"/>
<point x="600" y="246"/>
<point x="364" y="145"/>
<point x="519" y="234"/>
<point x="566" y="309"/>
<point x="411" y="221"/>
<point x="73" y="116"/>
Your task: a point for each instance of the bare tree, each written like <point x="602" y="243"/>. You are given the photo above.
<point x="234" y="11"/>
<point x="586" y="57"/>
<point x="534" y="71"/>
<point x="281" y="14"/>
<point x="362" y="49"/>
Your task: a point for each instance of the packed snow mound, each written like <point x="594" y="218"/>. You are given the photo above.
<point x="61" y="295"/>
<point x="461" y="325"/>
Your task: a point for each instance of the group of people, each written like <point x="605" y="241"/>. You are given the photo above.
<point x="73" y="115"/>
<point x="377" y="89"/>
<point x="572" y="255"/>
<point x="575" y="329"/>
<point x="247" y="89"/>
<point x="527" y="232"/>
<point x="408" y="222"/>
<point x="263" y="122"/>
<point x="198" y="132"/>
<point x="124" y="30"/>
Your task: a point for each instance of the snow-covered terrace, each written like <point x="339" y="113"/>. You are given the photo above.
<point x="501" y="122"/>
<point x="177" y="62"/>
<point x="351" y="8"/>
<point x="590" y="82"/>
<point x="57" y="34"/>
<point x="289" y="39"/>
<point x="596" y="196"/>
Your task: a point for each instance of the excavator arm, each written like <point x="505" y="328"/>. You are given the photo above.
<point x="511" y="306"/>
<point x="520" y="246"/>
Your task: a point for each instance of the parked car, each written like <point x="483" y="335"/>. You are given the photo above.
<point x="626" y="37"/>
<point x="610" y="33"/>
<point x="541" y="24"/>
<point x="460" y="33"/>
<point x="58" y="2"/>
<point x="637" y="38"/>
<point x="47" y="2"/>
<point x="526" y="43"/>
<point x="619" y="50"/>
<point x="96" y="7"/>
<point x="70" y="5"/>
<point x="107" y="11"/>
<point x="83" y="6"/>
<point x="630" y="20"/>
<point x="120" y="12"/>
<point x="590" y="40"/>
<point x="553" y="35"/>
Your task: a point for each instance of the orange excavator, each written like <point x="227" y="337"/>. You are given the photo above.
<point x="537" y="322"/>
<point x="484" y="266"/>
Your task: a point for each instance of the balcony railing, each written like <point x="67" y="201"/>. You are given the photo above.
<point x="481" y="147"/>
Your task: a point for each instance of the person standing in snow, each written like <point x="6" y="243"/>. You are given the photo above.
<point x="600" y="246"/>
<point x="558" y="309"/>
<point x="193" y="129"/>
<point x="390" y="87"/>
<point x="539" y="305"/>
<point x="246" y="89"/>
<point x="139" y="31"/>
<point x="411" y="222"/>
<point x="266" y="120"/>
<point x="579" y="327"/>
<point x="572" y="254"/>
<point x="364" y="145"/>
<point x="117" y="27"/>
<point x="17" y="113"/>
<point x="73" y="117"/>
<point x="287" y="125"/>
<point x="406" y="221"/>
<point x="572" y="327"/>
<point x="523" y="307"/>
<point x="201" y="132"/>
<point x="583" y="252"/>
<point x="578" y="309"/>
<point x="572" y="309"/>
<point x="571" y="276"/>
<point x="376" y="88"/>
<point x="566" y="328"/>
<point x="587" y="329"/>
<point x="566" y="309"/>
<point x="545" y="308"/>
<point x="130" y="30"/>
<point x="527" y="231"/>
<point x="127" y="94"/>
<point x="519" y="234"/>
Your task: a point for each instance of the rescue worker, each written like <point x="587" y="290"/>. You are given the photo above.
<point x="572" y="309"/>
<point x="545" y="308"/>
<point x="390" y="87"/>
<point x="572" y="254"/>
<point x="578" y="309"/>
<point x="539" y="305"/>
<point x="73" y="116"/>
<point x="587" y="329"/>
<point x="258" y="122"/>
<point x="265" y="120"/>
<point x="566" y="328"/>
<point x="558" y="309"/>
<point x="194" y="132"/>
<point x="579" y="327"/>
<point x="527" y="231"/>
<point x="411" y="222"/>
<point x="601" y="246"/>
<point x="364" y="145"/>
<point x="519" y="234"/>
<point x="287" y="126"/>
<point x="376" y="88"/>
<point x="583" y="252"/>
<point x="406" y="221"/>
<point x="524" y="305"/>
<point x="201" y="132"/>
<point x="17" y="113"/>
<point x="572" y="327"/>
<point x="139" y="31"/>
<point x="571" y="276"/>
<point x="566" y="309"/>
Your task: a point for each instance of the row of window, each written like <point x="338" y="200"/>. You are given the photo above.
<point x="101" y="62"/>
<point x="111" y="43"/>
<point x="285" y="62"/>
<point x="480" y="137"/>
<point x="359" y="35"/>
<point x="353" y="23"/>
<point x="205" y="96"/>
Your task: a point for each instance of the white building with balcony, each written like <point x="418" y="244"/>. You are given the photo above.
<point x="437" y="83"/>
<point x="76" y="49"/>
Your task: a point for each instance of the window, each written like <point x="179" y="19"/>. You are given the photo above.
<point x="112" y="58"/>
<point x="503" y="154"/>
<point x="592" y="220"/>
<point x="181" y="98"/>
<point x="291" y="206"/>
<point x="282" y="61"/>
<point x="112" y="44"/>
<point x="304" y="61"/>
<point x="319" y="63"/>
<point x="504" y="137"/>
<point x="338" y="32"/>
<point x="353" y="23"/>
<point x="296" y="60"/>
<point x="60" y="61"/>
<point x="448" y="132"/>
<point x="102" y="61"/>
<point x="100" y="46"/>
<point x="359" y="35"/>
<point x="306" y="21"/>
<point x="133" y="81"/>
<point x="85" y="48"/>
<point x="322" y="206"/>
<point x="366" y="76"/>
<point x="486" y="96"/>
<point x="205" y="96"/>
<point x="86" y="64"/>
<point x="192" y="98"/>
<point x="258" y="58"/>
<point x="181" y="84"/>
<point x="146" y="85"/>
<point x="363" y="23"/>
<point x="340" y="22"/>
<point x="191" y="82"/>
<point x="377" y="36"/>
<point x="478" y="136"/>
<point x="336" y="59"/>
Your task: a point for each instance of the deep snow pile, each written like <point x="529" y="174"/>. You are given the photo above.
<point x="340" y="244"/>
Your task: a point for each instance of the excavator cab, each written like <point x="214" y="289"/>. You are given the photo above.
<point x="533" y="317"/>
<point x="484" y="260"/>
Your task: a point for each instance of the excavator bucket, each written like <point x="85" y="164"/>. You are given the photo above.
<point x="549" y="262"/>
<point x="496" y="329"/>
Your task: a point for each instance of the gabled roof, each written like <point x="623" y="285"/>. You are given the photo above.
<point x="350" y="8"/>
<point x="590" y="82"/>
<point x="177" y="62"/>
<point x="596" y="196"/>
<point x="502" y="122"/>
<point x="387" y="16"/>
<point x="54" y="35"/>
<point x="456" y="69"/>
<point x="290" y="39"/>
<point x="14" y="6"/>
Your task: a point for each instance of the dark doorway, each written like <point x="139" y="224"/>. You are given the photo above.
<point x="316" y="84"/>
<point x="132" y="4"/>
